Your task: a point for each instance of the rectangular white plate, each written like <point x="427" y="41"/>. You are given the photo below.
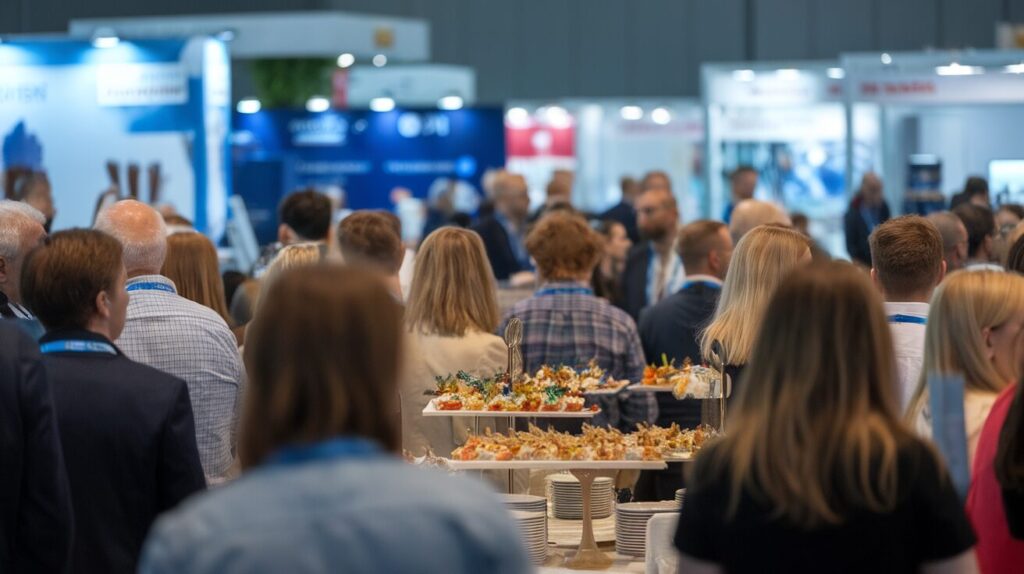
<point x="431" y="411"/>
<point x="557" y="464"/>
<point x="642" y="388"/>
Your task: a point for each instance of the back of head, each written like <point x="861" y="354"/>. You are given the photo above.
<point x="564" y="247"/>
<point x="975" y="185"/>
<point x="142" y="233"/>
<point x="761" y="261"/>
<point x="289" y="257"/>
<point x="656" y="179"/>
<point x="340" y="382"/>
<point x="698" y="239"/>
<point x="17" y="221"/>
<point x="193" y="265"/>
<point x="62" y="278"/>
<point x="948" y="225"/>
<point x="906" y="254"/>
<point x="307" y="213"/>
<point x="369" y="238"/>
<point x="453" y="288"/>
<point x="820" y="409"/>
<point x="980" y="224"/>
<point x="965" y="304"/>
<point x="1015" y="258"/>
<point x="752" y="213"/>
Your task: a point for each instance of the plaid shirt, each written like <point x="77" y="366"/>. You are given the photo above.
<point x="565" y="324"/>
<point x="178" y="336"/>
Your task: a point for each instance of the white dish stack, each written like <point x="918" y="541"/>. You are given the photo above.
<point x="631" y="524"/>
<point x="567" y="498"/>
<point x="526" y="502"/>
<point x="680" y="496"/>
<point x="533" y="526"/>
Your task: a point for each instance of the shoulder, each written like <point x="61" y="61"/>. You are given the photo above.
<point x="617" y="317"/>
<point x="638" y="253"/>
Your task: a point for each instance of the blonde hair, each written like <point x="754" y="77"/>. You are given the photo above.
<point x="192" y="264"/>
<point x="824" y="405"/>
<point x="966" y="303"/>
<point x="453" y="288"/>
<point x="292" y="256"/>
<point x="751" y="213"/>
<point x="763" y="258"/>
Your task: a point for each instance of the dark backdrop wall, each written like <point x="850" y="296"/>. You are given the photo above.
<point x="558" y="48"/>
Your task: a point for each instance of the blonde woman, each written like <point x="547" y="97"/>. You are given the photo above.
<point x="451" y="315"/>
<point x="295" y="255"/>
<point x="974" y="327"/>
<point x="763" y="258"/>
<point x="819" y="474"/>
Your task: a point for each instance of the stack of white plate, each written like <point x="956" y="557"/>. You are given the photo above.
<point x="533" y="526"/>
<point x="680" y="496"/>
<point x="567" y="497"/>
<point x="526" y="502"/>
<point x="631" y="524"/>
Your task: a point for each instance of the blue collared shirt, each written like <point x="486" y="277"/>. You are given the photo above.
<point x="378" y="515"/>
<point x="674" y="276"/>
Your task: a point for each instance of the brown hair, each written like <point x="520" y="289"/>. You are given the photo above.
<point x="564" y="246"/>
<point x="61" y="278"/>
<point x="453" y="287"/>
<point x="1015" y="258"/>
<point x="369" y="237"/>
<point x="696" y="240"/>
<point x="907" y="255"/>
<point x="342" y="381"/>
<point x="824" y="405"/>
<point x="193" y="266"/>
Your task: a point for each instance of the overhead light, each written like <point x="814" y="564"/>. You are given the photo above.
<point x="1014" y="68"/>
<point x="517" y="117"/>
<point x="105" y="38"/>
<point x="380" y="60"/>
<point x="631" y="112"/>
<point x="743" y="75"/>
<point x="956" y="69"/>
<point x="661" y="116"/>
<point x="836" y="73"/>
<point x="557" y="117"/>
<point x="886" y="58"/>
<point x="250" y="106"/>
<point x="382" y="104"/>
<point x="452" y="102"/>
<point x="346" y="60"/>
<point x="225" y="35"/>
<point x="788" y="73"/>
<point x="318" y="104"/>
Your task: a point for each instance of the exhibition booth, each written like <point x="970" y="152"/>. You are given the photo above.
<point x="108" y="118"/>
<point x="942" y="116"/>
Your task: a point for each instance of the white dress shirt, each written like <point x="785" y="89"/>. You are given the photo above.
<point x="183" y="338"/>
<point x="908" y="345"/>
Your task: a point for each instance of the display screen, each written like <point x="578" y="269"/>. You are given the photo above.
<point x="1006" y="181"/>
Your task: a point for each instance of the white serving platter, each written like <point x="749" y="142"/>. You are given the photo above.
<point x="431" y="411"/>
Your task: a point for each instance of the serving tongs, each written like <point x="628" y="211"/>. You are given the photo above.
<point x="513" y="340"/>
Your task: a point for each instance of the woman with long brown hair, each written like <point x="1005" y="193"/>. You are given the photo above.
<point x="193" y="265"/>
<point x="323" y="489"/>
<point x="817" y="472"/>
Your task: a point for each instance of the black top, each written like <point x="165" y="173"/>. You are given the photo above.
<point x="499" y="251"/>
<point x="857" y="230"/>
<point x="624" y="214"/>
<point x="671" y="328"/>
<point x="130" y="448"/>
<point x="35" y="503"/>
<point x="634" y="280"/>
<point x="927" y="525"/>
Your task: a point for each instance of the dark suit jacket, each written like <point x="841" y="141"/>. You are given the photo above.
<point x="130" y="447"/>
<point x="626" y="215"/>
<point x="634" y="280"/>
<point x="35" y="503"/>
<point x="857" y="231"/>
<point x="671" y="328"/>
<point x="499" y="251"/>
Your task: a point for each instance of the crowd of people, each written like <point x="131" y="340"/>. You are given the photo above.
<point x="159" y="416"/>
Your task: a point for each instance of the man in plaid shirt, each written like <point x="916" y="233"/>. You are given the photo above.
<point x="565" y="324"/>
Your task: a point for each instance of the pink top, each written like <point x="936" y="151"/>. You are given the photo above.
<point x="997" y="551"/>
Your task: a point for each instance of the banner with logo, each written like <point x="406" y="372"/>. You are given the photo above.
<point x="147" y="119"/>
<point x="366" y="158"/>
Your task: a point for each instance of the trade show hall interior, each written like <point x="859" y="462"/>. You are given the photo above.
<point x="511" y="285"/>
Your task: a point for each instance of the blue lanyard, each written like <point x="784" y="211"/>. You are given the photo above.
<point x="565" y="291"/>
<point x="908" y="319"/>
<point x="151" y="287"/>
<point x="71" y="346"/>
<point x="704" y="282"/>
<point x="342" y="447"/>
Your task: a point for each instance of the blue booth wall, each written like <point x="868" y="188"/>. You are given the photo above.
<point x="367" y="155"/>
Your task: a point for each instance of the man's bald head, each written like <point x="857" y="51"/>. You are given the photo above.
<point x="141" y="231"/>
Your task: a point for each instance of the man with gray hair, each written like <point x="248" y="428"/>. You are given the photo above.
<point x="752" y="213"/>
<point x="176" y="335"/>
<point x="21" y="230"/>
<point x="954" y="239"/>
